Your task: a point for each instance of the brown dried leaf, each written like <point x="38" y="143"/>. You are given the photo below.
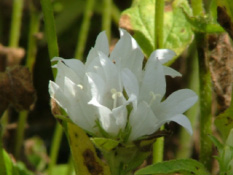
<point x="10" y="56"/>
<point x="16" y="88"/>
<point x="221" y="63"/>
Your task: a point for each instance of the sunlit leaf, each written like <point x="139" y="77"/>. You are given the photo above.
<point x="139" y="20"/>
<point x="182" y="166"/>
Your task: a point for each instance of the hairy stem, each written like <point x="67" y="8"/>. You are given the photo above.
<point x="197" y="6"/>
<point x="205" y="102"/>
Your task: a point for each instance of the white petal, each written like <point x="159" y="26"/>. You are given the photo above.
<point x="107" y="70"/>
<point x="120" y="115"/>
<point x="130" y="82"/>
<point x="153" y="82"/>
<point x="177" y="103"/>
<point x="74" y="101"/>
<point x="65" y="71"/>
<point x="101" y="43"/>
<point x="163" y="55"/>
<point x="93" y="53"/>
<point x="76" y="65"/>
<point x="106" y="118"/>
<point x="128" y="54"/>
<point x="56" y="93"/>
<point x="183" y="121"/>
<point x="171" y="72"/>
<point x="97" y="85"/>
<point x="143" y="121"/>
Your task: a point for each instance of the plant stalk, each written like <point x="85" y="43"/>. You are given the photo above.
<point x="158" y="146"/>
<point x="32" y="39"/>
<point x="82" y="38"/>
<point x="205" y="102"/>
<point x="186" y="141"/>
<point x="2" y="162"/>
<point x="106" y="17"/>
<point x="20" y="132"/>
<point x="16" y="23"/>
<point x="55" y="148"/>
<point x="159" y="21"/>
<point x="197" y="6"/>
<point x="50" y="32"/>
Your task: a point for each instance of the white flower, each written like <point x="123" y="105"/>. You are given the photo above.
<point x="104" y="88"/>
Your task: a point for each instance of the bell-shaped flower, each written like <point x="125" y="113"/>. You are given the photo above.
<point x="111" y="92"/>
<point x="151" y="111"/>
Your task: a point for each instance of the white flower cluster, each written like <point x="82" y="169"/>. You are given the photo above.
<point x="110" y="93"/>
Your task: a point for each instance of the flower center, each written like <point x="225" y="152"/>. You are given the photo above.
<point x="115" y="96"/>
<point x="153" y="97"/>
<point x="80" y="86"/>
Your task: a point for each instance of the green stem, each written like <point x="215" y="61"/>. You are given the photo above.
<point x="55" y="147"/>
<point x="116" y="14"/>
<point x="50" y="30"/>
<point x="159" y="20"/>
<point x="186" y="142"/>
<point x="70" y="167"/>
<point x="20" y="132"/>
<point x="106" y="17"/>
<point x="16" y="23"/>
<point x="205" y="102"/>
<point x="158" y="149"/>
<point x="2" y="162"/>
<point x="197" y="6"/>
<point x="82" y="38"/>
<point x="114" y="164"/>
<point x="205" y="90"/>
<point x="32" y="39"/>
<point x="158" y="146"/>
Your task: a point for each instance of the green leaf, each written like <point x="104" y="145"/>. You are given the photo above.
<point x="140" y="20"/>
<point x="83" y="151"/>
<point x="204" y="24"/>
<point x="229" y="140"/>
<point x="10" y="168"/>
<point x="37" y="155"/>
<point x="219" y="145"/>
<point x="104" y="144"/>
<point x="182" y="166"/>
<point x="224" y="123"/>
<point x="22" y="169"/>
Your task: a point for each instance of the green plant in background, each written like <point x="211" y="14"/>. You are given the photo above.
<point x="225" y="157"/>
